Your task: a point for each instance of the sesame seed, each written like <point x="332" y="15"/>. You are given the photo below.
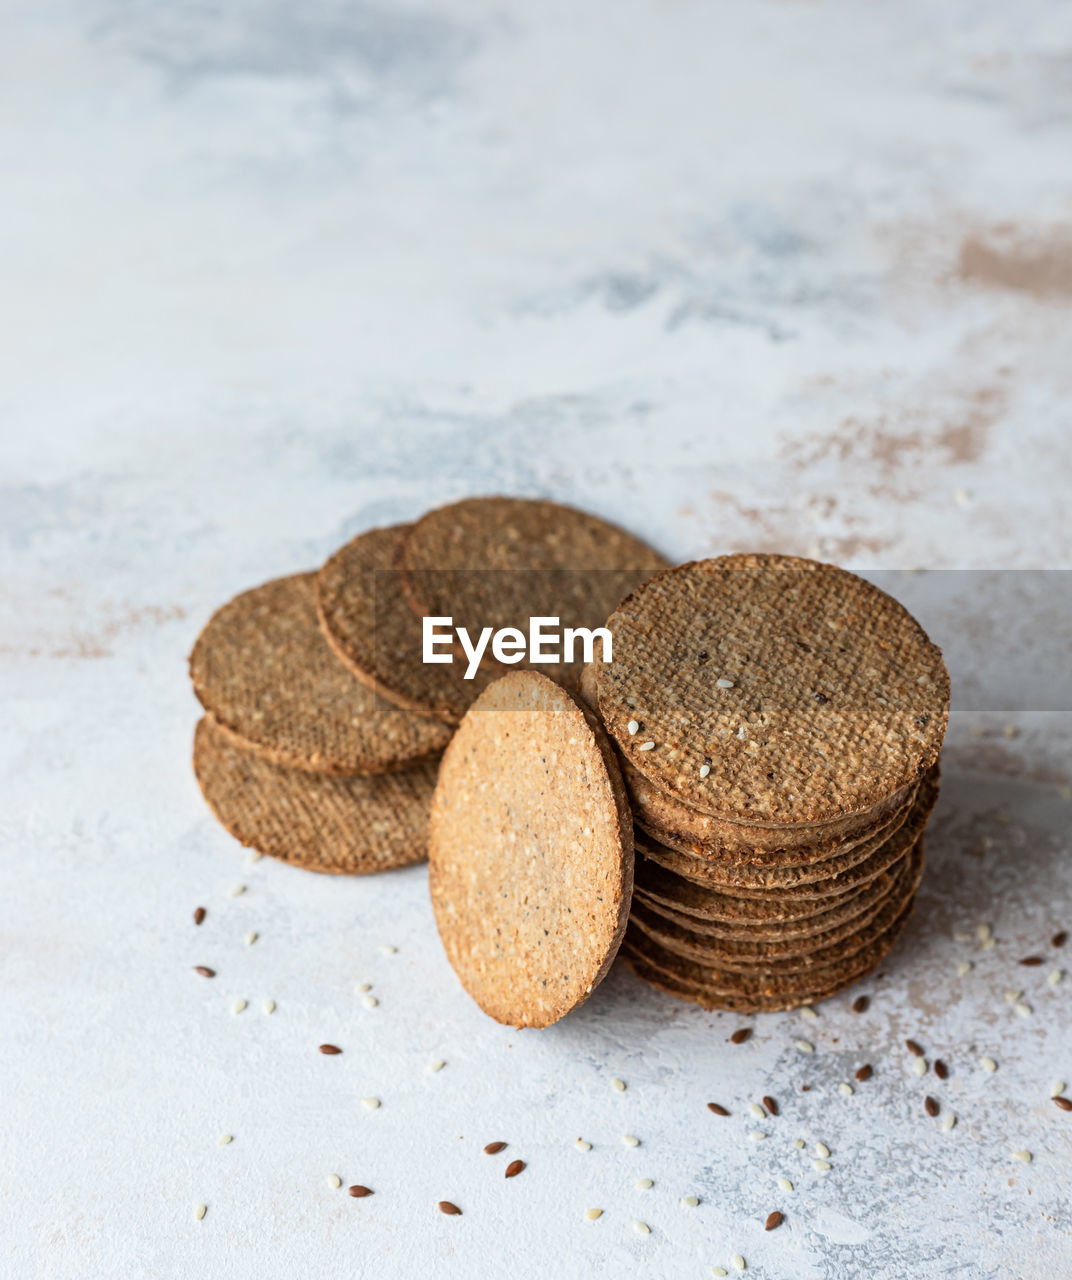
<point x="388" y="950"/>
<point x="798" y="1143"/>
<point x="845" y="1089"/>
<point x="1054" y="977"/>
<point x="960" y="936"/>
<point x="372" y="1104"/>
<point x="723" y="683"/>
<point x="988" y="944"/>
<point x="334" y="1181"/>
<point x="370" y="1002"/>
<point x="632" y="726"/>
<point x="705" y="769"/>
<point x="964" y="968"/>
<point x="199" y="1211"/>
<point x="1012" y="995"/>
<point x="757" y="1135"/>
<point x="225" y="1139"/>
<point x="643" y="1184"/>
<point x="646" y="746"/>
<point x="919" y="1066"/>
<point x="642" y="1228"/>
<point x="629" y="1141"/>
<point x="269" y="1006"/>
<point x="805" y="1046"/>
<point x="719" y="1271"/>
<point x="581" y="1145"/>
<point x="947" y="1122"/>
<point x="689" y="1202"/>
<point x="254" y="855"/>
<point x="617" y="1085"/>
<point x="1057" y="1088"/>
<point x="756" y="1110"/>
<point x="988" y="1064"/>
<point x="784" y="1184"/>
<point x="982" y="932"/>
<point x="362" y="986"/>
<point x="199" y="914"/>
<point x="237" y="891"/>
<point x="251" y="938"/>
<point x="822" y="1150"/>
<point x="738" y="1262"/>
<point x="1022" y="1010"/>
<point x="239" y="1006"/>
<point x="821" y="1166"/>
<point x="1023" y="1156"/>
<point x="592" y="1214"/>
<point x="806" y="1011"/>
<point x="437" y="1064"/>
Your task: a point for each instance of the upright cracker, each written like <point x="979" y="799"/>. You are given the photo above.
<point x="264" y="672"/>
<point x="530" y="852"/>
<point x="836" y="699"/>
<point x="345" y="826"/>
<point x="369" y="624"/>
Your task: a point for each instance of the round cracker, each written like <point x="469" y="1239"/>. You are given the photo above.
<point x="838" y="699"/>
<point x="264" y="672"/>
<point x="340" y="825"/>
<point x="369" y="624"/>
<point x="530" y="852"/>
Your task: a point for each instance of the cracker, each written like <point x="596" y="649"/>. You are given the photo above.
<point x="372" y="629"/>
<point x="838" y="698"/>
<point x="341" y="825"/>
<point x="264" y="672"/>
<point x="530" y="852"/>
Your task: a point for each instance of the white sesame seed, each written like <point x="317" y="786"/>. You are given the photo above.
<point x="742" y="733"/>
<point x="238" y="1006"/>
<point x="363" y="986"/>
<point x="982" y="932"/>
<point x="784" y="1184"/>
<point x="964" y="968"/>
<point x="756" y="1110"/>
<point x="821" y="1166"/>
<point x="1012" y="995"/>
<point x="592" y="1214"/>
<point x="437" y="1064"/>
<point x="822" y="1150"/>
<point x="389" y="950"/>
<point x="370" y="1002"/>
<point x="1023" y="1156"/>
<point x="642" y="1228"/>
<point x="805" y="1046"/>
<point x="237" y="891"/>
<point x="757" y="1135"/>
<point x="962" y="497"/>
<point x="251" y="938"/>
<point x="719" y="1271"/>
<point x="948" y="1121"/>
<point x="705" y="769"/>
<point x="798" y="1143"/>
<point x="1054" y="977"/>
<point x="617" y="1085"/>
<point x="739" y="1262"/>
<point x="255" y="855"/>
<point x="960" y="936"/>
<point x="371" y="1103"/>
<point x="334" y="1181"/>
<point x="806" y="1011"/>
<point x="632" y="726"/>
<point x="646" y="746"/>
<point x="225" y="1139"/>
<point x="723" y="683"/>
<point x="988" y="1064"/>
<point x="629" y="1141"/>
<point x="689" y="1202"/>
<point x="1057" y="1088"/>
<point x="988" y="944"/>
<point x="581" y="1145"/>
<point x="644" y="1184"/>
<point x="845" y="1089"/>
<point x="199" y="1211"/>
<point x="1022" y="1010"/>
<point x="919" y="1066"/>
<point x="269" y="1006"/>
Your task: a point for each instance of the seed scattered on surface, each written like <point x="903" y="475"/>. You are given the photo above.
<point x="864" y="1072"/>
<point x="1064" y="1103"/>
<point x="1022" y="1010"/>
<point x="773" y="1220"/>
<point x="1012" y="994"/>
<point x="940" y="1069"/>
<point x="1059" y="939"/>
<point x="770" y="1104"/>
<point x="581" y="1145"/>
<point x="199" y="914"/>
<point x="359" y="1192"/>
<point x="947" y="1122"/>
<point x="199" y="1211"/>
<point x="805" y="1046"/>
<point x="632" y="726"/>
<point x="629" y="1141"/>
<point x="330" y="1049"/>
<point x="806" y="1011"/>
<point x="723" y="683"/>
<point x="740" y="1035"/>
<point x="798" y="1143"/>
<point x="719" y="1271"/>
<point x="964" y="968"/>
<point x="269" y="1006"/>
<point x="646" y="746"/>
<point x="982" y="932"/>
<point x="593" y="1214"/>
<point x="919" y="1066"/>
<point x="845" y="1089"/>
<point x="437" y="1064"/>
<point x="204" y="971"/>
<point x="913" y="1048"/>
<point x="254" y="855"/>
<point x="1054" y="977"/>
<point x="757" y="1135"/>
<point x="493" y="1148"/>
<point x="334" y="1181"/>
<point x="362" y="986"/>
<point x="389" y="950"/>
<point x="705" y="769"/>
<point x="930" y="1105"/>
<point x="988" y="1064"/>
<point x="1023" y="1156"/>
<point x="237" y="891"/>
<point x="1056" y="1088"/>
<point x="821" y="1166"/>
<point x="756" y="1110"/>
<point x="514" y="1168"/>
<point x="689" y="1202"/>
<point x="822" y="1150"/>
<point x="1031" y="961"/>
<point x="738" y="1262"/>
<point x="369" y="1001"/>
<point x="784" y="1184"/>
<point x="452" y="1210"/>
<point x="617" y="1085"/>
<point x="642" y="1228"/>
<point x="239" y="1006"/>
<point x="643" y="1184"/>
<point x="251" y="938"/>
<point x="372" y="1104"/>
<point x="717" y="1109"/>
<point x="860" y="1004"/>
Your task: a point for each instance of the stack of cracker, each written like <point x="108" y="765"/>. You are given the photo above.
<point x="778" y="723"/>
<point x="323" y="725"/>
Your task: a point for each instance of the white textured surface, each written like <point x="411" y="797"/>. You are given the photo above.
<point x="767" y="275"/>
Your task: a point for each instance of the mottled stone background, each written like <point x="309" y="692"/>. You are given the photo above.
<point x="768" y="275"/>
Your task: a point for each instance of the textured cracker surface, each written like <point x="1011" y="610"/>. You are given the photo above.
<point x="530" y="852"/>
<point x="838" y="698"/>
<point x="263" y="670"/>
<point x="345" y="826"/>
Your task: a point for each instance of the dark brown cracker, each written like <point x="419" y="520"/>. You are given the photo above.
<point x="530" y="852"/>
<point x="347" y="826"/>
<point x="264" y="672"/>
<point x="373" y="630"/>
<point x="499" y="561"/>
<point x="838" y="700"/>
<point x="833" y="875"/>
